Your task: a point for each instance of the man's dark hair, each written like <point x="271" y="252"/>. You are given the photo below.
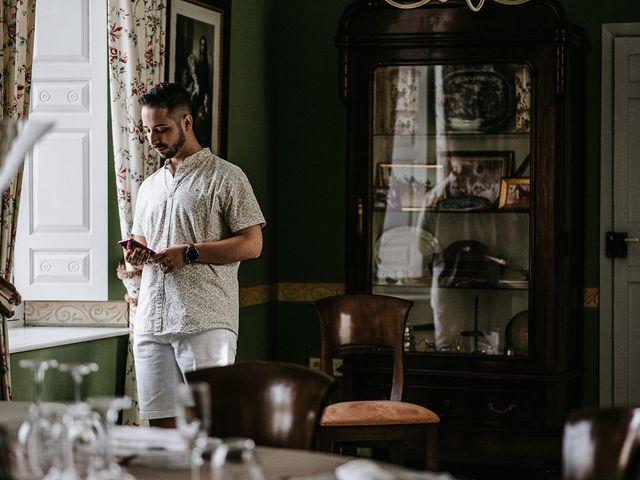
<point x="172" y="96"/>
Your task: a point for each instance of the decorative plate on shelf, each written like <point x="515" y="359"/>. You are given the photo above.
<point x="517" y="333"/>
<point x="478" y="101"/>
<point x="463" y="204"/>
<point x="403" y="253"/>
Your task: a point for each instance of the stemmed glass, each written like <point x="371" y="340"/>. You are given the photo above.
<point x="193" y="421"/>
<point x="109" y="407"/>
<point x="63" y="467"/>
<point x="78" y="371"/>
<point x="35" y="446"/>
<point x="86" y="438"/>
<point x="236" y="459"/>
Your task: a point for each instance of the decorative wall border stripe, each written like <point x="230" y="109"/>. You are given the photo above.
<point x="307" y="292"/>
<point x="288" y="292"/>
<point x="258" y="295"/>
<point x="74" y="314"/>
<point x="591" y="297"/>
<point x="116" y="313"/>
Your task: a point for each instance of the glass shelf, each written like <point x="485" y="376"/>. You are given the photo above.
<point x="513" y="211"/>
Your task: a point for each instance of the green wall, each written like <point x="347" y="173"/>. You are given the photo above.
<point x="311" y="155"/>
<point x="109" y="354"/>
<point x="287" y="131"/>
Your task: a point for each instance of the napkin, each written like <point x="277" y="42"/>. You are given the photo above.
<point x="149" y="447"/>
<point x="131" y="440"/>
<point x="362" y="469"/>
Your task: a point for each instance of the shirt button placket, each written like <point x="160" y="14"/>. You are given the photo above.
<point x="168" y="217"/>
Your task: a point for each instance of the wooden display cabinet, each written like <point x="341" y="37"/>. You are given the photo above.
<point x="465" y="187"/>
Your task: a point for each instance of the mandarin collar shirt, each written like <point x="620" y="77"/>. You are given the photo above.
<point x="207" y="200"/>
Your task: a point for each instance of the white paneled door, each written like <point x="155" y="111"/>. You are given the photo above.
<point x="620" y="277"/>
<point x="61" y="247"/>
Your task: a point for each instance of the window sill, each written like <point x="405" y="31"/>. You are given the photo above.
<point x="24" y="339"/>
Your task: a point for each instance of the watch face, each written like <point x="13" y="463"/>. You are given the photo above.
<point x="192" y="254"/>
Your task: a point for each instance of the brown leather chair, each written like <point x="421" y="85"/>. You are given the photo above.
<point x="602" y="443"/>
<point x="353" y="324"/>
<point x="276" y="404"/>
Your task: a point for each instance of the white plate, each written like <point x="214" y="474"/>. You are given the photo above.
<point x="402" y="253"/>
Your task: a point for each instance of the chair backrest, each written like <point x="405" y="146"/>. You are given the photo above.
<point x="276" y="404"/>
<point x="602" y="443"/>
<point x="361" y="320"/>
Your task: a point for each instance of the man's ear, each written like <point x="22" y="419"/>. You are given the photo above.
<point x="187" y="122"/>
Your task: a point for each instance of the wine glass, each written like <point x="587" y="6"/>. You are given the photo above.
<point x="193" y="421"/>
<point x="236" y="459"/>
<point x="78" y="370"/>
<point x="87" y="441"/>
<point x="108" y="408"/>
<point x="35" y="447"/>
<point x="63" y="467"/>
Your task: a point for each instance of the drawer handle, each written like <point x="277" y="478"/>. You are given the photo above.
<point x="447" y="403"/>
<point x="499" y="411"/>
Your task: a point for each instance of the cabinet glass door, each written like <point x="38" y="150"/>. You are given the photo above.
<point x="451" y="200"/>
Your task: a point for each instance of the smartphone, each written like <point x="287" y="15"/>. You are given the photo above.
<point x="130" y="244"/>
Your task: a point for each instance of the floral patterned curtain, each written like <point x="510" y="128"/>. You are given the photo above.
<point x="17" y="25"/>
<point x="136" y="63"/>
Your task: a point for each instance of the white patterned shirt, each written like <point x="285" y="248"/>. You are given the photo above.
<point x="208" y="200"/>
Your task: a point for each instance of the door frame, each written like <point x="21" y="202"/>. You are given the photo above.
<point x="607" y="335"/>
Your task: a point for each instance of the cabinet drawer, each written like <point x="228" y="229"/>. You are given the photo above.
<point x="487" y="406"/>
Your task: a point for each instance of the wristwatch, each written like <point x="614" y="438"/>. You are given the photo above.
<point x="191" y="253"/>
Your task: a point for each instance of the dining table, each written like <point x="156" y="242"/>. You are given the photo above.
<point x="276" y="463"/>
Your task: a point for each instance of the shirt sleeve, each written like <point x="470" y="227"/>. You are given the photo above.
<point x="137" y="228"/>
<point x="242" y="210"/>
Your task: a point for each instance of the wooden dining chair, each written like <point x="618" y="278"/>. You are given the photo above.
<point x="602" y="443"/>
<point x="275" y="404"/>
<point x="354" y="324"/>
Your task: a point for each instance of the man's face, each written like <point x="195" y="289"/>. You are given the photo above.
<point x="165" y="135"/>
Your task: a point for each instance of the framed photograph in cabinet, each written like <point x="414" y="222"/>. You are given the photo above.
<point x="475" y="173"/>
<point x="405" y="185"/>
<point x="515" y="193"/>
<point x="198" y="56"/>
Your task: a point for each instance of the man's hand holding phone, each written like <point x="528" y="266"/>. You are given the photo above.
<point x="135" y="252"/>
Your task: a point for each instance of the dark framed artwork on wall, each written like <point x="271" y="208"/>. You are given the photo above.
<point x="198" y="59"/>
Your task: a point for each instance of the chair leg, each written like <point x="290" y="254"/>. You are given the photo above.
<point x="431" y="447"/>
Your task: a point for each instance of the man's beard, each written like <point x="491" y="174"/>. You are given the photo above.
<point x="171" y="152"/>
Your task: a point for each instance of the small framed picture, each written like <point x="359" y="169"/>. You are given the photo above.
<point x="475" y="173"/>
<point x="405" y="185"/>
<point x="198" y="57"/>
<point x="515" y="193"/>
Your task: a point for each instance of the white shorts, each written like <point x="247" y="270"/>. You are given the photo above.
<point x="162" y="360"/>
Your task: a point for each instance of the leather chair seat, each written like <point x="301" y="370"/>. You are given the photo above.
<point x="376" y="412"/>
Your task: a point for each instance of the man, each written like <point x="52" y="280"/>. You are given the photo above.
<point x="200" y="216"/>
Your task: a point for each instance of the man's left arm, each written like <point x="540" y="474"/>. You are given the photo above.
<point x="242" y="245"/>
